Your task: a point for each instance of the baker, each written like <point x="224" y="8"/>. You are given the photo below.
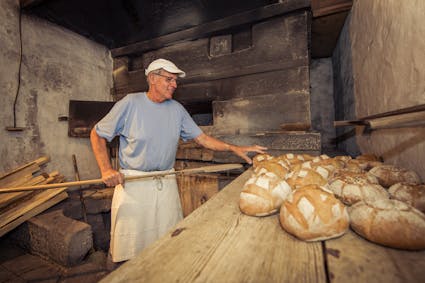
<point x="149" y="125"/>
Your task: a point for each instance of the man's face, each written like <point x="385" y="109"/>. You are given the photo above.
<point x="164" y="84"/>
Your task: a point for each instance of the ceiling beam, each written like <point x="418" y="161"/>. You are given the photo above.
<point x="211" y="27"/>
<point x="30" y="3"/>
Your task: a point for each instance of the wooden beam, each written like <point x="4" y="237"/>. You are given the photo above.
<point x="211" y="27"/>
<point x="30" y="3"/>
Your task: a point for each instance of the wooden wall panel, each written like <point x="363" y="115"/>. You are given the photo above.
<point x="197" y="189"/>
<point x="277" y="44"/>
<point x="280" y="81"/>
<point x="257" y="113"/>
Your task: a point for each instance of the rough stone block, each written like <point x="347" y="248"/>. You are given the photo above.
<point x="220" y="45"/>
<point x="101" y="234"/>
<point x="98" y="200"/>
<point x="57" y="237"/>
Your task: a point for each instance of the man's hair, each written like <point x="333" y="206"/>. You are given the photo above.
<point x="157" y="71"/>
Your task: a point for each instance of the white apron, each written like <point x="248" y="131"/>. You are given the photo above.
<point x="142" y="211"/>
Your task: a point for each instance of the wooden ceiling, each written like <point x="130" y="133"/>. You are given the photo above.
<point x="119" y="24"/>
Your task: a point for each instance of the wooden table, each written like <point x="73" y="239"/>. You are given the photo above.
<point x="217" y="243"/>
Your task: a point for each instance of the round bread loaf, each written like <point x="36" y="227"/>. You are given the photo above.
<point x="352" y="187"/>
<point x="389" y="175"/>
<point x="291" y="158"/>
<point x="259" y="158"/>
<point x="278" y="167"/>
<point x="356" y="166"/>
<point x="412" y="194"/>
<point x="324" y="171"/>
<point x="263" y="194"/>
<point x="312" y="213"/>
<point x="389" y="222"/>
<point x="303" y="177"/>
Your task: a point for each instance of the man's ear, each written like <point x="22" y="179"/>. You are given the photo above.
<point x="151" y="78"/>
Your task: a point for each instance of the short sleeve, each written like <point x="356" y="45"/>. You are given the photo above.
<point x="113" y="123"/>
<point x="189" y="129"/>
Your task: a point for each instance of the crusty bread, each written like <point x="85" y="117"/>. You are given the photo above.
<point x="356" y="166"/>
<point x="304" y="176"/>
<point x="352" y="187"/>
<point x="390" y="223"/>
<point x="278" y="167"/>
<point x="412" y="194"/>
<point x="260" y="158"/>
<point x="389" y="175"/>
<point x="291" y="158"/>
<point x="312" y="213"/>
<point x="263" y="194"/>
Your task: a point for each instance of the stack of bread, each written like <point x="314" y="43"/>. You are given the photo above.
<point x="321" y="197"/>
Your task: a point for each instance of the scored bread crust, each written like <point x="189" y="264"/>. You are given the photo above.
<point x="263" y="194"/>
<point x="389" y="175"/>
<point x="411" y="194"/>
<point x="303" y="177"/>
<point x="352" y="187"/>
<point x="312" y="213"/>
<point x="390" y="223"/>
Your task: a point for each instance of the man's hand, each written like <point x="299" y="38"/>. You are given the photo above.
<point x="112" y="177"/>
<point x="243" y="150"/>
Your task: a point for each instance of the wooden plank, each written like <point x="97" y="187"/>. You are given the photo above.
<point x="40" y="161"/>
<point x="25" y="206"/>
<point x="354" y="259"/>
<point x="325" y="32"/>
<point x="8" y="198"/>
<point x="195" y="191"/>
<point x="217" y="243"/>
<point x="23" y="173"/>
<point x="33" y="212"/>
<point x="296" y="80"/>
<point x="326" y="7"/>
<point x="211" y="27"/>
<point x="268" y="40"/>
<point x="259" y="113"/>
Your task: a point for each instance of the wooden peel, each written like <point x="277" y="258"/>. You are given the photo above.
<point x="203" y="169"/>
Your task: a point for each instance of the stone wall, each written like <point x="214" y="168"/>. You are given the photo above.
<point x="379" y="66"/>
<point x="57" y="66"/>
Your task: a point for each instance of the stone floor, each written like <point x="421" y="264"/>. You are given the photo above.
<point x="18" y="266"/>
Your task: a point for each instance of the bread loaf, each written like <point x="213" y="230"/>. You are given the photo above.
<point x="302" y="177"/>
<point x="389" y="175"/>
<point x="278" y="167"/>
<point x="312" y="213"/>
<point x="291" y="158"/>
<point x="263" y="194"/>
<point x="390" y="223"/>
<point x="352" y="187"/>
<point x="412" y="194"/>
<point x="259" y="158"/>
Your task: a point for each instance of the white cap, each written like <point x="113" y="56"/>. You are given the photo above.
<point x="166" y="65"/>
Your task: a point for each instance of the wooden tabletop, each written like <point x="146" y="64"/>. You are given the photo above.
<point x="217" y="243"/>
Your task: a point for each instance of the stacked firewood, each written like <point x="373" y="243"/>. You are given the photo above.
<point x="18" y="207"/>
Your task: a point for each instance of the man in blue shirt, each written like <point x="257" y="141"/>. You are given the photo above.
<point x="149" y="125"/>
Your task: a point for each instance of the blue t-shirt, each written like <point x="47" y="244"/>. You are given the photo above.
<point x="149" y="132"/>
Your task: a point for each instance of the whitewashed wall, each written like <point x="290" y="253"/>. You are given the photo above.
<point x="57" y="66"/>
<point x="380" y="66"/>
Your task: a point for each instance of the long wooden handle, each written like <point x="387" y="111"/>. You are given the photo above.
<point x="204" y="169"/>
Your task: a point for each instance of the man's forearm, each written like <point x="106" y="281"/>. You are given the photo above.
<point x="100" y="151"/>
<point x="213" y="143"/>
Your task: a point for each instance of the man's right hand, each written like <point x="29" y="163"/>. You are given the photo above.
<point x="112" y="177"/>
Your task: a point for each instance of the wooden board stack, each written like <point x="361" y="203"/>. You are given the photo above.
<point x="16" y="208"/>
